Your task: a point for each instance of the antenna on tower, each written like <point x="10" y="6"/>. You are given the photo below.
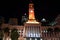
<point x="30" y="1"/>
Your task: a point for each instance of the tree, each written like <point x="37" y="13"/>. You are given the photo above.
<point x="6" y="32"/>
<point x="50" y="30"/>
<point x="56" y="29"/>
<point x="1" y="34"/>
<point x="14" y="34"/>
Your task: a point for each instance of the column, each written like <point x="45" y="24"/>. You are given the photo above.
<point x="41" y="39"/>
<point x="24" y="32"/>
<point x="38" y="32"/>
<point x="34" y="31"/>
<point x="29" y="31"/>
<point x="35" y="38"/>
<point x="30" y="38"/>
<point x="24" y="38"/>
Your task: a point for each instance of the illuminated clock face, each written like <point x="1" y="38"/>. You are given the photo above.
<point x="31" y="11"/>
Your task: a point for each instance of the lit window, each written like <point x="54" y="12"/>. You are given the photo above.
<point x="20" y="31"/>
<point x="44" y="31"/>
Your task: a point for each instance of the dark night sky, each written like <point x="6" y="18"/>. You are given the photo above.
<point x="43" y="8"/>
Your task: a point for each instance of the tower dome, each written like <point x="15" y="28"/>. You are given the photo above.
<point x="43" y="20"/>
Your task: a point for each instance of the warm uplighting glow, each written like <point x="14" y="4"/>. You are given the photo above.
<point x="31" y="15"/>
<point x="33" y="22"/>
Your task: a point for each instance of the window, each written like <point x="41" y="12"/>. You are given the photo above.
<point x="21" y="35"/>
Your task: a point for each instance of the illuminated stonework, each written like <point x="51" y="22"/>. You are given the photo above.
<point x="31" y="14"/>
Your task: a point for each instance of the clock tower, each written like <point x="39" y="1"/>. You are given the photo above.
<point x="31" y="14"/>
